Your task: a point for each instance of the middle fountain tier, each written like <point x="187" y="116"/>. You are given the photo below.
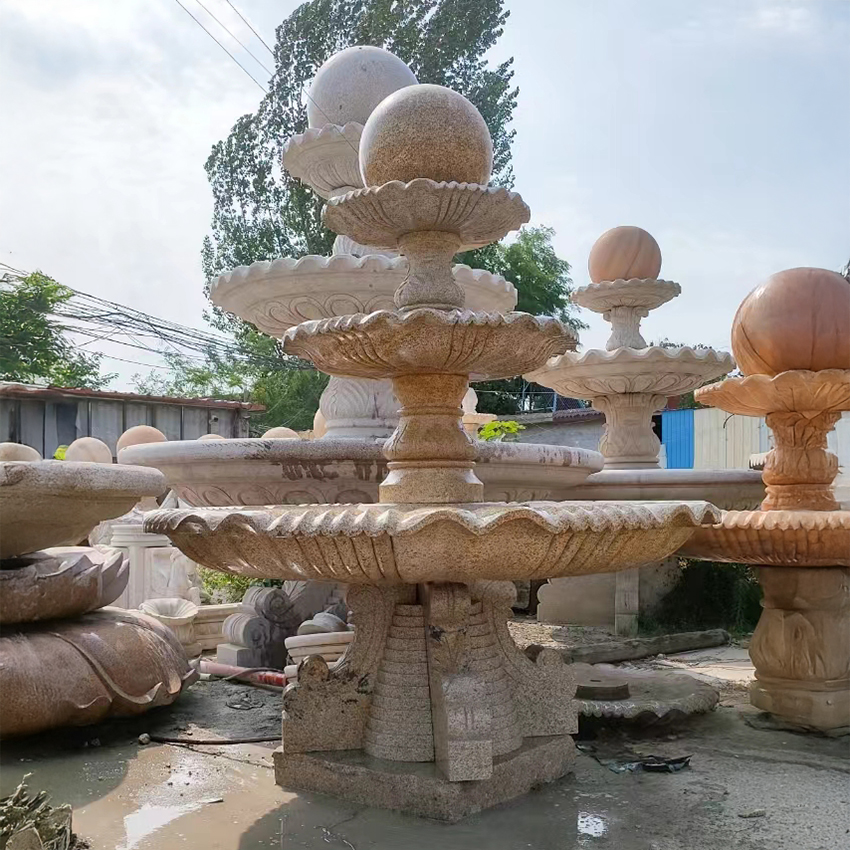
<point x="433" y="709"/>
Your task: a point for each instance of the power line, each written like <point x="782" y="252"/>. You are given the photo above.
<point x="244" y="47"/>
<point x="248" y="24"/>
<point x="259" y="84"/>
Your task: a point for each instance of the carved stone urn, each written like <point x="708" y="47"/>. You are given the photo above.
<point x="791" y="336"/>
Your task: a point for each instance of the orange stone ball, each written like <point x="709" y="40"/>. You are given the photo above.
<point x="796" y="319"/>
<point x="624" y="253"/>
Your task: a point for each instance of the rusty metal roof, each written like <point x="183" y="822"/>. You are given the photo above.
<point x="31" y="391"/>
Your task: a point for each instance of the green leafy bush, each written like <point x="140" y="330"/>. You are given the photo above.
<point x="504" y="431"/>
<point x="709" y="595"/>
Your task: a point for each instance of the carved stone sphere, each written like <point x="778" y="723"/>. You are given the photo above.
<point x="139" y="434"/>
<point x="206" y="437"/>
<point x="352" y="83"/>
<point x="89" y="449"/>
<point x="796" y="319"/>
<point x="281" y="433"/>
<point x="425" y="131"/>
<point x="18" y="451"/>
<point x="624" y="253"/>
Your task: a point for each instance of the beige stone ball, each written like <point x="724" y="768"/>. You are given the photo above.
<point x="138" y="435"/>
<point x="205" y="437"/>
<point x="796" y="319"/>
<point x="352" y="83"/>
<point x="281" y="433"/>
<point x="425" y="131"/>
<point x="624" y="253"/>
<point x="18" y="451"/>
<point x="320" y="425"/>
<point x="89" y="450"/>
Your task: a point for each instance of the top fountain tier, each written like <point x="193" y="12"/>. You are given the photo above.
<point x="429" y="151"/>
<point x="624" y="264"/>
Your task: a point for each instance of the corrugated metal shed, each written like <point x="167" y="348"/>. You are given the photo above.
<point x="677" y="436"/>
<point x="726" y="441"/>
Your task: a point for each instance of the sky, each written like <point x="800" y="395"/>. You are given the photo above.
<point x="720" y="126"/>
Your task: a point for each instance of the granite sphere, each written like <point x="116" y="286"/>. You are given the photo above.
<point x="90" y="450"/>
<point x="18" y="451"/>
<point x="624" y="253"/>
<point x="426" y="131"/>
<point x="281" y="433"/>
<point x="206" y="437"/>
<point x="796" y="319"/>
<point x="352" y="83"/>
<point x="138" y="435"/>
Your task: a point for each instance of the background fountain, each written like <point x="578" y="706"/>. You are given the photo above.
<point x="629" y="382"/>
<point x="791" y="337"/>
<point x="64" y="658"/>
<point x="433" y="708"/>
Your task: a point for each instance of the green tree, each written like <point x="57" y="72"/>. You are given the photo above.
<point x="544" y="287"/>
<point x="34" y="347"/>
<point x="263" y="374"/>
<point x="260" y="212"/>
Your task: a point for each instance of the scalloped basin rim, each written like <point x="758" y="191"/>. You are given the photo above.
<point x="400" y="520"/>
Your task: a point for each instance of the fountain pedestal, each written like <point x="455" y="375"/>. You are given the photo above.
<point x="799" y="541"/>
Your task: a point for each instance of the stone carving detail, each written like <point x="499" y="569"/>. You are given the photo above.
<point x="359" y="407"/>
<point x="60" y="583"/>
<point x="629" y="439"/>
<point x="72" y="673"/>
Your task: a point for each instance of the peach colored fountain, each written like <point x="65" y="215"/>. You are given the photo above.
<point x="432" y="709"/>
<point x="791" y="337"/>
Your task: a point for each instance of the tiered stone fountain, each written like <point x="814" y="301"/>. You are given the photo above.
<point x="629" y="382"/>
<point x="64" y="658"/>
<point x="791" y="337"/>
<point x="359" y="413"/>
<point x="433" y="709"/>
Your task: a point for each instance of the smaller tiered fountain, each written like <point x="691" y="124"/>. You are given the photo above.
<point x="630" y="381"/>
<point x="791" y="338"/>
<point x="64" y="658"/>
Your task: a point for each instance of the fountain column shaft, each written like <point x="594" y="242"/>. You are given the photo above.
<point x="629" y="441"/>
<point x="431" y="456"/>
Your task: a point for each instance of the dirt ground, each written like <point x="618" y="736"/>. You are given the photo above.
<point x="746" y="788"/>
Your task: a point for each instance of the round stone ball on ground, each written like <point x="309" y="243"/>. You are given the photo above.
<point x="624" y="253"/>
<point x="425" y="131"/>
<point x="281" y="433"/>
<point x="19" y="452"/>
<point x="352" y="83"/>
<point x="138" y="435"/>
<point x="206" y="437"/>
<point x="89" y="450"/>
<point x="796" y="319"/>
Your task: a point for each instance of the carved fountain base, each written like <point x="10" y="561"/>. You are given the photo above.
<point x="433" y="710"/>
<point x="801" y="647"/>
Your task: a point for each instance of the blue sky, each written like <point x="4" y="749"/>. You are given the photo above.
<point x="721" y="126"/>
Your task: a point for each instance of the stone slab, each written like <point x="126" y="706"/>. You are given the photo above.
<point x="238" y="656"/>
<point x="417" y="788"/>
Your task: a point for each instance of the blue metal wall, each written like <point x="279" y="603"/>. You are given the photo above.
<point x="677" y="435"/>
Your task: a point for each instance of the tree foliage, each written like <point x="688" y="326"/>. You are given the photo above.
<point x="260" y="212"/>
<point x="34" y="347"/>
<point x="289" y="391"/>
